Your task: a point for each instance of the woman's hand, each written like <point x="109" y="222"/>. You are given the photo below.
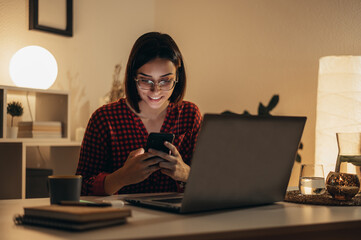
<point x="138" y="167"/>
<point x="173" y="164"/>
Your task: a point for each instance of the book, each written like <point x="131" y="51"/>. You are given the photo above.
<point x="77" y="213"/>
<point x="40" y="123"/>
<point x="40" y="129"/>
<point x="33" y="134"/>
<point x="76" y="218"/>
<point x="66" y="225"/>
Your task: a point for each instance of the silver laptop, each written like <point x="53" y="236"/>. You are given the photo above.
<point x="239" y="161"/>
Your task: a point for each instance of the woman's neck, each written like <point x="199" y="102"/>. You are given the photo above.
<point x="150" y="113"/>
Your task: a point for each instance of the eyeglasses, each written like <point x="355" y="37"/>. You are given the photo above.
<point x="164" y="85"/>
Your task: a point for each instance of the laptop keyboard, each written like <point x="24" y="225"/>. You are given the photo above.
<point x="170" y="200"/>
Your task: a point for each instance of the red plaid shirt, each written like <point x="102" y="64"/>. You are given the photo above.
<point x="114" y="131"/>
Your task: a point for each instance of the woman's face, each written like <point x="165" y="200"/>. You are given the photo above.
<point x="158" y="71"/>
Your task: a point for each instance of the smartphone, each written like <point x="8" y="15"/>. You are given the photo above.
<point x="156" y="141"/>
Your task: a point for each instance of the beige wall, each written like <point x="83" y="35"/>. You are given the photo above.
<point x="241" y="52"/>
<point x="104" y="32"/>
<point x="237" y="52"/>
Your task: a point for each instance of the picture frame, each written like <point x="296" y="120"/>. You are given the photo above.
<point x="34" y="19"/>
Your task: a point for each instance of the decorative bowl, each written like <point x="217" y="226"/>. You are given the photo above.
<point x="342" y="186"/>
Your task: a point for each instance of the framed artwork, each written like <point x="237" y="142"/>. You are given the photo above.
<point x="53" y="16"/>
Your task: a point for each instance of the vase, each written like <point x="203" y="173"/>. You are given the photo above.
<point x="12" y="132"/>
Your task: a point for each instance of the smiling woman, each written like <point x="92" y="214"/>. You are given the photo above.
<point x="154" y="94"/>
<point x="112" y="158"/>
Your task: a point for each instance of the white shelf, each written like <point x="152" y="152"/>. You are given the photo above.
<point x="22" y="89"/>
<point x="16" y="154"/>
<point x="39" y="105"/>
<point x="41" y="141"/>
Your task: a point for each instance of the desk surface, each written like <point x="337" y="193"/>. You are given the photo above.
<point x="277" y="221"/>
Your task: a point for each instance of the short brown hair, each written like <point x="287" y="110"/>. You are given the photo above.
<point x="148" y="47"/>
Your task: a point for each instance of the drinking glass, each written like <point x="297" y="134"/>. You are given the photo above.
<point x="312" y="180"/>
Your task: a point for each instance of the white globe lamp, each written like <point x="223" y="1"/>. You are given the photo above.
<point x="33" y="67"/>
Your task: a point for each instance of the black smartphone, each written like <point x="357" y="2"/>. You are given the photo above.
<point x="156" y="141"/>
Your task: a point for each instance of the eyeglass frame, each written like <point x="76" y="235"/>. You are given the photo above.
<point x="156" y="84"/>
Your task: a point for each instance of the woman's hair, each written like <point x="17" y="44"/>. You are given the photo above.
<point x="150" y="46"/>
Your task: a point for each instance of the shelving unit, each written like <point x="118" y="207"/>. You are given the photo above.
<point x="61" y="154"/>
<point x="39" y="105"/>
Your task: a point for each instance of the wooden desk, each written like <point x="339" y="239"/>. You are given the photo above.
<point x="277" y="221"/>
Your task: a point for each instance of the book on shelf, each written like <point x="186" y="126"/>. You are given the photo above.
<point x="40" y="129"/>
<point x="34" y="134"/>
<point x="40" y="123"/>
<point x="73" y="217"/>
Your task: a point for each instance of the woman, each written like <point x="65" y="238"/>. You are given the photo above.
<point x="112" y="158"/>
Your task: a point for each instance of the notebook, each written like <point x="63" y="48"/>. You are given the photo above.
<point x="76" y="218"/>
<point x="239" y="161"/>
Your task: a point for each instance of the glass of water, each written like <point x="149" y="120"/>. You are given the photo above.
<point x="312" y="180"/>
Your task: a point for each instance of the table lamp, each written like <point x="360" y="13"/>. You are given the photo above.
<point x="33" y="67"/>
<point x="338" y="106"/>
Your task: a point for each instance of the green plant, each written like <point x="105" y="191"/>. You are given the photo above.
<point x="15" y="109"/>
<point x="265" y="111"/>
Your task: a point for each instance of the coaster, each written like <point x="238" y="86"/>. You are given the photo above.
<point x="323" y="199"/>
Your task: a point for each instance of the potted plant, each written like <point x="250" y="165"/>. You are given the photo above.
<point x="14" y="109"/>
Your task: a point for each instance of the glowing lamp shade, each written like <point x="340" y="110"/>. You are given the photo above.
<point x="338" y="105"/>
<point x="33" y="67"/>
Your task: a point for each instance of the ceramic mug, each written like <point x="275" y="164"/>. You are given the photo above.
<point x="64" y="188"/>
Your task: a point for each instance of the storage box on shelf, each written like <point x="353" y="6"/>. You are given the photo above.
<point x="17" y="154"/>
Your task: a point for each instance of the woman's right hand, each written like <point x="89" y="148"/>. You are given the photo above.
<point x="137" y="168"/>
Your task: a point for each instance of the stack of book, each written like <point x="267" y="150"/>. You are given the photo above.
<point x="76" y="218"/>
<point x="40" y="129"/>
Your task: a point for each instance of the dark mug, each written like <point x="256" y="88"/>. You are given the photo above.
<point x="64" y="188"/>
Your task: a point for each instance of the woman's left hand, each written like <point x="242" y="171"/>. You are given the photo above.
<point x="174" y="166"/>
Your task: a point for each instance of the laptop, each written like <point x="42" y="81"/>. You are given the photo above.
<point x="239" y="161"/>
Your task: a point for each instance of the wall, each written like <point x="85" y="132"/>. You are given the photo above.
<point x="241" y="52"/>
<point x="237" y="52"/>
<point x="104" y="32"/>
